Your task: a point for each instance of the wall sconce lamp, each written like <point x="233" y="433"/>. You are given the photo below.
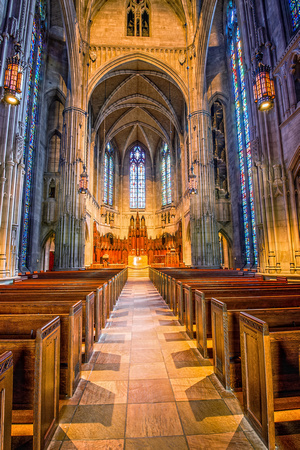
<point x="13" y="78"/>
<point x="263" y="85"/>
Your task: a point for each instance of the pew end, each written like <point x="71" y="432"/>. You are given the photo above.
<point x="6" y="396"/>
<point x="270" y="374"/>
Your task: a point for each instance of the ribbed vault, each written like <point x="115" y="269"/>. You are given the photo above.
<point x="137" y="102"/>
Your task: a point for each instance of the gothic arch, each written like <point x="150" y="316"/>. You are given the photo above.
<point x="225" y="249"/>
<point x="48" y="250"/>
<point x="137" y="56"/>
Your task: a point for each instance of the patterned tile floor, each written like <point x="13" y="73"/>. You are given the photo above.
<point x="146" y="387"/>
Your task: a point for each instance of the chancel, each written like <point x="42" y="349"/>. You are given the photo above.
<point x="150" y="199"/>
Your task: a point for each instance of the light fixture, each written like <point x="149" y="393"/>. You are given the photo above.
<point x="263" y="84"/>
<point x="13" y="78"/>
<point x="173" y="211"/>
<point x="193" y="188"/>
<point x="83" y="182"/>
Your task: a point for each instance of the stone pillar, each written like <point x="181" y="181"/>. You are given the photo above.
<point x="204" y="235"/>
<point x="70" y="239"/>
<point x="4" y="271"/>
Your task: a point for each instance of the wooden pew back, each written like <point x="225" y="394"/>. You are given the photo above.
<point x="6" y="396"/>
<point x="36" y="371"/>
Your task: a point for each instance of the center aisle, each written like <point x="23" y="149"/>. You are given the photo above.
<point x="146" y="387"/>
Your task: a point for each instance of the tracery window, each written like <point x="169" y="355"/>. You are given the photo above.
<point x="243" y="133"/>
<point x="108" y="187"/>
<point x="138" y="13"/>
<point x="137" y="178"/>
<point x="295" y="13"/>
<point x="32" y="116"/>
<point x="166" y="176"/>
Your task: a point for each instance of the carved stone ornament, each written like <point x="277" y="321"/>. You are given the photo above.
<point x="181" y="58"/>
<point x="255" y="149"/>
<point x="93" y="55"/>
<point x="19" y="148"/>
<point x="12" y="27"/>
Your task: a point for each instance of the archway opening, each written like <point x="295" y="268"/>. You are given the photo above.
<point x="225" y="251"/>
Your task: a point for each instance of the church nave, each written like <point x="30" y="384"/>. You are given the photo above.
<point x="146" y="387"/>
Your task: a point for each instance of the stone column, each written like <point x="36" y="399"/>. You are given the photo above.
<point x="70" y="239"/>
<point x="204" y="235"/>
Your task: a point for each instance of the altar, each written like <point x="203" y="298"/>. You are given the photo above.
<point x="138" y="262"/>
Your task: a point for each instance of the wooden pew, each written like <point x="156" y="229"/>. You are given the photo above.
<point x="270" y="371"/>
<point x="63" y="297"/>
<point x="81" y="280"/>
<point x="35" y="344"/>
<point x="6" y="396"/>
<point x="65" y="286"/>
<point x="70" y="336"/>
<point x="226" y="332"/>
<point x="184" y="300"/>
<point x="203" y="306"/>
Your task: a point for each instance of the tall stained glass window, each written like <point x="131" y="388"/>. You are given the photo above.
<point x="137" y="178"/>
<point x="32" y="117"/>
<point x="108" y="187"/>
<point x="166" y="176"/>
<point x="295" y="13"/>
<point x="243" y="133"/>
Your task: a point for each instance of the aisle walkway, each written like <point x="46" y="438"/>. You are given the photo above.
<point x="147" y="388"/>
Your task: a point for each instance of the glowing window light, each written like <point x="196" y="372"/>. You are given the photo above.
<point x="243" y="134"/>
<point x="166" y="176"/>
<point x="108" y="183"/>
<point x="137" y="178"/>
<point x="295" y="13"/>
<point x="13" y="78"/>
<point x="263" y="85"/>
<point x="31" y="122"/>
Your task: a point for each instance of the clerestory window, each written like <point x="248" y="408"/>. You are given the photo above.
<point x="138" y="15"/>
<point x="295" y="13"/>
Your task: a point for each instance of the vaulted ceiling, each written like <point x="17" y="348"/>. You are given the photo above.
<point x="137" y="101"/>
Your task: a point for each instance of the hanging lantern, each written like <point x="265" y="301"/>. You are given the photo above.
<point x="83" y="182"/>
<point x="192" y="182"/>
<point x="13" y="78"/>
<point x="263" y="85"/>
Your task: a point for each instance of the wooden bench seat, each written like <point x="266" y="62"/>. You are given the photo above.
<point x="35" y="372"/>
<point x="50" y="297"/>
<point x="6" y="396"/>
<point x="270" y="371"/>
<point x="66" y="287"/>
<point x="203" y="306"/>
<point x="186" y="309"/>
<point x="70" y="336"/>
<point x="106" y="289"/>
<point x="226" y="332"/>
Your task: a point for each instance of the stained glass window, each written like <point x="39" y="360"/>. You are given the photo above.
<point x="137" y="178"/>
<point x="166" y="176"/>
<point x="108" y="188"/>
<point x="295" y="13"/>
<point x="243" y="134"/>
<point x="31" y="123"/>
